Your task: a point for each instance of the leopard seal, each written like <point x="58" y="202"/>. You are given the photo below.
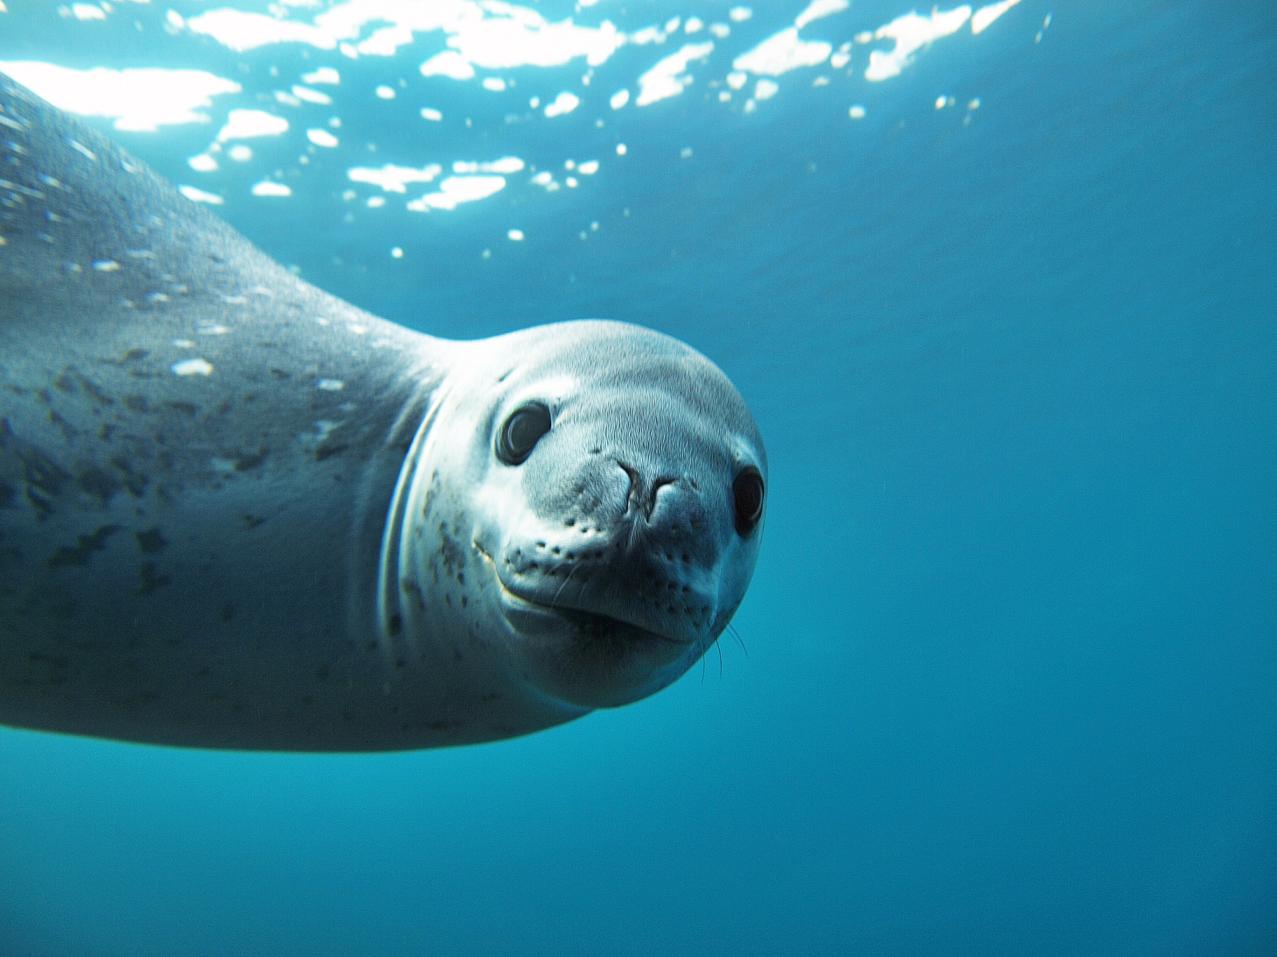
<point x="237" y="512"/>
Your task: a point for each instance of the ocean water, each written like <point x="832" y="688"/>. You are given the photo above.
<point x="1006" y="680"/>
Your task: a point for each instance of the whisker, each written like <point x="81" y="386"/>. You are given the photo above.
<point x="554" y="602"/>
<point x="739" y="640"/>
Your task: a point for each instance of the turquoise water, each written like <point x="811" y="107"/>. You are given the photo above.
<point x="1006" y="677"/>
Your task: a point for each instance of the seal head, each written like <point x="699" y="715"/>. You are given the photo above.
<point x="586" y="504"/>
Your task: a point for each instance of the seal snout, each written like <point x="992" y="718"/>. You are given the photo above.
<point x="662" y="522"/>
<point x="645" y="557"/>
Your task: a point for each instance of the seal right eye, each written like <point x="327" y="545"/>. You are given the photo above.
<point x="747" y="496"/>
<point x="521" y="432"/>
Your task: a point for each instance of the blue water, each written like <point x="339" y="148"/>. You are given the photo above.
<point x="1007" y="677"/>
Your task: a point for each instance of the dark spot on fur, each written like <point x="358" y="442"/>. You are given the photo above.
<point x="151" y="579"/>
<point x="95" y="391"/>
<point x="83" y="549"/>
<point x="324" y="451"/>
<point x="395" y="624"/>
<point x="410" y="587"/>
<point x="137" y="403"/>
<point x="186" y="408"/>
<point x="43" y="507"/>
<point x="7" y="494"/>
<point x="42" y="474"/>
<point x="66" y="428"/>
<point x="279" y="373"/>
<point x="133" y="355"/>
<point x="245" y="463"/>
<point x="151" y="541"/>
<point x="252" y="521"/>
<point x="101" y="485"/>
<point x="450" y="551"/>
<point x="227" y="612"/>
<point x="134" y="481"/>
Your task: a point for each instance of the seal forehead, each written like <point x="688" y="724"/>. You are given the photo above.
<point x="631" y="381"/>
<point x="554" y="386"/>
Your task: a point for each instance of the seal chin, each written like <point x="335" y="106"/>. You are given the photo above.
<point x="592" y="660"/>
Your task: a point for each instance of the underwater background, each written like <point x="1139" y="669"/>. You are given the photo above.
<point x="998" y="283"/>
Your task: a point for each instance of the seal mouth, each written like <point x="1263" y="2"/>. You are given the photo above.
<point x="594" y="626"/>
<point x="586" y="626"/>
<point x="602" y="655"/>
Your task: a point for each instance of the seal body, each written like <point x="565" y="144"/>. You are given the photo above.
<point x="238" y="512"/>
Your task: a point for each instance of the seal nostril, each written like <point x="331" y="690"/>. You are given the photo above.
<point x="657" y="485"/>
<point x="641" y="495"/>
<point x="634" y="493"/>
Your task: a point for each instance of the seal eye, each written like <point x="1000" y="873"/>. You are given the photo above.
<point x="747" y="495"/>
<point x="521" y="432"/>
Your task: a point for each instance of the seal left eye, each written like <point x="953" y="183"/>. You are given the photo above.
<point x="521" y="432"/>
